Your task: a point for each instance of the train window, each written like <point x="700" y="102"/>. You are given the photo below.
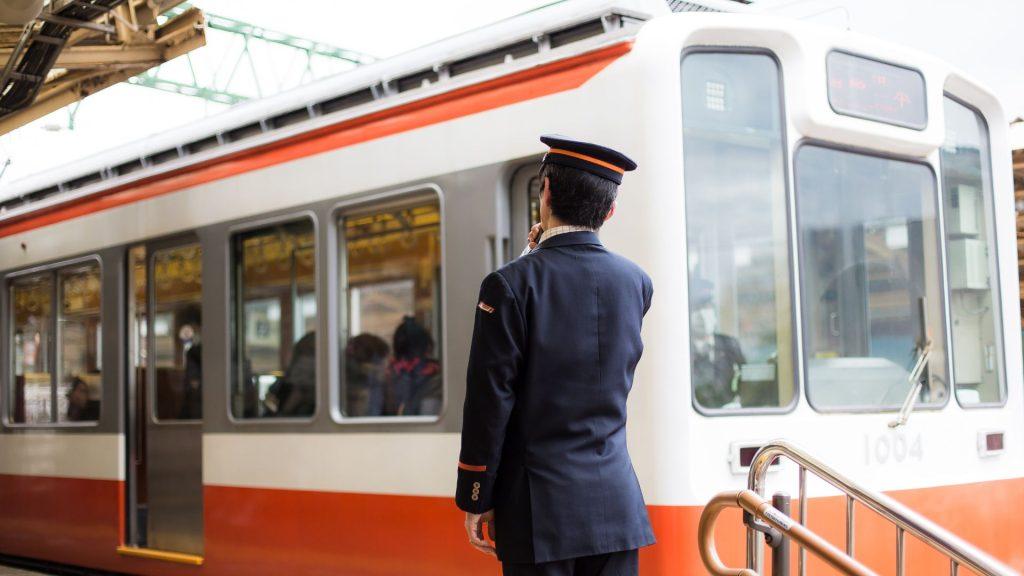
<point x="176" y="333"/>
<point x="274" y="357"/>
<point x="967" y="201"/>
<point x="78" y="344"/>
<point x="741" y="338"/>
<point x="32" y="318"/>
<point x="870" y="280"/>
<point x="391" y="333"/>
<point x="56" y="336"/>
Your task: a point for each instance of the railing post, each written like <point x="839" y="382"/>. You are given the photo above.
<point x="802" y="487"/>
<point x="850" y="525"/>
<point x="900" y="558"/>
<point x="780" y="552"/>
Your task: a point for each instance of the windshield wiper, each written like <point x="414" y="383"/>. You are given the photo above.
<point x="916" y="382"/>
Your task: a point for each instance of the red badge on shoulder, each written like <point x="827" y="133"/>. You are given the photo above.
<point x="485" y="307"/>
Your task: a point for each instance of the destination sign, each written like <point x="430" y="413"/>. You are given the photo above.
<point x="874" y="90"/>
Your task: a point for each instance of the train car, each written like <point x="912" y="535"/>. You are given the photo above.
<point x="238" y="348"/>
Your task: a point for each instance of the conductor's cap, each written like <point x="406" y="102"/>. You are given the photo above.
<point x="594" y="158"/>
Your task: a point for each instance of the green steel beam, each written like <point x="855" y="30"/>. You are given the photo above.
<point x="248" y="32"/>
<point x="213" y="95"/>
<point x="215" y="22"/>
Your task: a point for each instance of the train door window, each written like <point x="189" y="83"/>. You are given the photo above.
<point x="177" y="332"/>
<point x="741" y="337"/>
<point x="973" y="296"/>
<point x="275" y="316"/>
<point x="78" y="344"/>
<point x="391" y="314"/>
<point x="870" y="280"/>
<point x="32" y="314"/>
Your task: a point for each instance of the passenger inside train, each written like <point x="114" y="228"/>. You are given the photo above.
<point x="81" y="408"/>
<point x="294" y="394"/>
<point x="414" y="377"/>
<point x="192" y="390"/>
<point x="366" y="366"/>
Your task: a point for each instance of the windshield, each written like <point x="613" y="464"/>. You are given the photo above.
<point x="870" y="279"/>
<point x="736" y="233"/>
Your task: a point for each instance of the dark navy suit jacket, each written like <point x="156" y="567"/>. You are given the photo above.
<point x="556" y="341"/>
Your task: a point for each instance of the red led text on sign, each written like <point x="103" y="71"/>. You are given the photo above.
<point x="875" y="90"/>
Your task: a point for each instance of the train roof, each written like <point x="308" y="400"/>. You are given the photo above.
<point x="553" y="31"/>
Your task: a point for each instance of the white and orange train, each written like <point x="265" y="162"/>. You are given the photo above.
<point x="816" y="209"/>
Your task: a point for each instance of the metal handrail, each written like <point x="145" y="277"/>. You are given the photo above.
<point x="762" y="510"/>
<point x="906" y="520"/>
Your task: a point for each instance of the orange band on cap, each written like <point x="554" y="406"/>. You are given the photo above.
<point x="590" y="159"/>
<point x="471" y="468"/>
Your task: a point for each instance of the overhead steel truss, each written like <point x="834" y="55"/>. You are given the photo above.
<point x="78" y="47"/>
<point x="218" y="85"/>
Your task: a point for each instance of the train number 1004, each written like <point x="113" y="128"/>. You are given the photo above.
<point x="892" y="448"/>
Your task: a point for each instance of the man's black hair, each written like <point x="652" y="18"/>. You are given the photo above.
<point x="579" y="198"/>
<point x="191" y="314"/>
<point x="411" y="340"/>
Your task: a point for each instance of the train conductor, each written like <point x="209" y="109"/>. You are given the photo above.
<point x="544" y="463"/>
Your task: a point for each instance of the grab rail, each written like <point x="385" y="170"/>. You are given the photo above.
<point x="762" y="510"/>
<point x="959" y="552"/>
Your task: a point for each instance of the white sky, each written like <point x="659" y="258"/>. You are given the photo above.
<point x="980" y="36"/>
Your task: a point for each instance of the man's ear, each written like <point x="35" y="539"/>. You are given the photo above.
<point x="611" y="212"/>
<point x="545" y="191"/>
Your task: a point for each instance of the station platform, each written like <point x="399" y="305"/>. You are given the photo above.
<point x="8" y="571"/>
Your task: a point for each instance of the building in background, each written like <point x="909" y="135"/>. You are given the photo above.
<point x="1017" y="145"/>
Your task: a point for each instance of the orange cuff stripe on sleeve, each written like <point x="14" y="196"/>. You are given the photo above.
<point x="471" y="468"/>
<point x="586" y="158"/>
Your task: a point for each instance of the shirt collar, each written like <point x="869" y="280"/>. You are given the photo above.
<point x="584" y="236"/>
<point x="558" y="230"/>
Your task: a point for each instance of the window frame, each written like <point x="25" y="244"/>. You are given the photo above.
<point x="337" y="296"/>
<point x="835" y="146"/>
<point x="53" y="270"/>
<point x="924" y="84"/>
<point x="232" y="326"/>
<point x="992" y="241"/>
<point x="790" y="207"/>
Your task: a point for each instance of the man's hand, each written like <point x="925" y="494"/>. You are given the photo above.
<point x="534" y="235"/>
<point x="475" y="530"/>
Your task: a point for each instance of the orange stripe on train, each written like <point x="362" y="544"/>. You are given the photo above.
<point x="551" y="78"/>
<point x="268" y="532"/>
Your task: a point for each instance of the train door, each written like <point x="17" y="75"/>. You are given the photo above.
<point x="165" y="498"/>
<point x="524" y="204"/>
